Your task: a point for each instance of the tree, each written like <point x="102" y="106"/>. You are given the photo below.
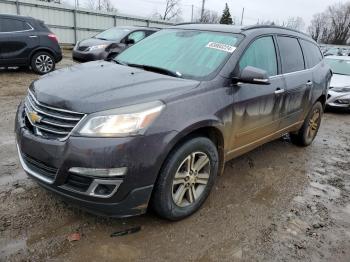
<point x="332" y="26"/>
<point x="172" y="10"/>
<point x="209" y="17"/>
<point x="101" y="5"/>
<point x="296" y="23"/>
<point x="226" y="16"/>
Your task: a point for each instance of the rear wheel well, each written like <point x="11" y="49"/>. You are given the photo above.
<point x="41" y="50"/>
<point x="322" y="99"/>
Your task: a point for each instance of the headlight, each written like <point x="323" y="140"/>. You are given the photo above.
<point x="341" y="89"/>
<point x="95" y="47"/>
<point x="121" y="122"/>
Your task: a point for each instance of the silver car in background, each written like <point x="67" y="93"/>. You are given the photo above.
<point x="339" y="92"/>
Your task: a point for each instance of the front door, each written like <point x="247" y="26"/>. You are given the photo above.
<point x="256" y="109"/>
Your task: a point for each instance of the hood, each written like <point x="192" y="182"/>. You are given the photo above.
<point x="94" y="41"/>
<point x="100" y="85"/>
<point x="340" y="81"/>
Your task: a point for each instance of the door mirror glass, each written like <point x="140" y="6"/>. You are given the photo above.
<point x="253" y="75"/>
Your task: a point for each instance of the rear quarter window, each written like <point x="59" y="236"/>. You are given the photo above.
<point x="312" y="53"/>
<point x="291" y="55"/>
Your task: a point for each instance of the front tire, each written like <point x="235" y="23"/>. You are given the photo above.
<point x="310" y="127"/>
<point x="186" y="179"/>
<point x="43" y="63"/>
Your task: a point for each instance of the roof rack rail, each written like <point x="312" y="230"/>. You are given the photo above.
<point x="272" y="26"/>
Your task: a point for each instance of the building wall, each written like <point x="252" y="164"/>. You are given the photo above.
<point x="70" y="24"/>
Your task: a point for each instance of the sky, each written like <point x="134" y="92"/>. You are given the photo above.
<point x="255" y="10"/>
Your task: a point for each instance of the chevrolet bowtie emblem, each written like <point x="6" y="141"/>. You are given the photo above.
<point x="34" y="117"/>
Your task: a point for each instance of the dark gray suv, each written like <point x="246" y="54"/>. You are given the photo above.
<point x="155" y="126"/>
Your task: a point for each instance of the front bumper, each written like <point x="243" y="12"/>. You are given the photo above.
<point x="48" y="162"/>
<point x="338" y="100"/>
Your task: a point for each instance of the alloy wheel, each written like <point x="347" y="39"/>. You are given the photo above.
<point x="313" y="124"/>
<point x="191" y="178"/>
<point x="44" y="63"/>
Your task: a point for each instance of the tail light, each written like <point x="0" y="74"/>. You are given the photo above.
<point x="53" y="37"/>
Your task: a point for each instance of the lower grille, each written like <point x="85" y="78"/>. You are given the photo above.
<point x="79" y="183"/>
<point x="39" y="167"/>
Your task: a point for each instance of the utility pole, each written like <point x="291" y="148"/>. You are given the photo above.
<point x="202" y="13"/>
<point x="192" y="14"/>
<point x="242" y="16"/>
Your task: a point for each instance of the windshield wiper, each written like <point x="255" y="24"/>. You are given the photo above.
<point x="119" y="62"/>
<point x="100" y="38"/>
<point x="156" y="69"/>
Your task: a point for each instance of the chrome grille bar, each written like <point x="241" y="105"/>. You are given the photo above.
<point x="50" y="122"/>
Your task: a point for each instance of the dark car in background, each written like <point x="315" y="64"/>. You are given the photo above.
<point x="108" y="44"/>
<point x="27" y="42"/>
<point x="155" y="126"/>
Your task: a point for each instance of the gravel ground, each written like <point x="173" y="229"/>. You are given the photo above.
<point x="276" y="203"/>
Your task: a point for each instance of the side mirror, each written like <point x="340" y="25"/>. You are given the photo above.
<point x="253" y="75"/>
<point x="130" y="42"/>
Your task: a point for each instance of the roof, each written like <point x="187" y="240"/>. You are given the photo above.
<point x="17" y="16"/>
<point x="338" y="57"/>
<point x="135" y="27"/>
<point x="240" y="29"/>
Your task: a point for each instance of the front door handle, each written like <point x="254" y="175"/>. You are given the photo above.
<point x="279" y="91"/>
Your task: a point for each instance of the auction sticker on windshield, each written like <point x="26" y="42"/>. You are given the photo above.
<point x="221" y="47"/>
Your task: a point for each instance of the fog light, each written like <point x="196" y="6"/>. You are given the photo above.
<point x="99" y="172"/>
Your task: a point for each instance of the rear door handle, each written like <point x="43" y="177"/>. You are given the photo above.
<point x="33" y="36"/>
<point x="309" y="83"/>
<point x="279" y="91"/>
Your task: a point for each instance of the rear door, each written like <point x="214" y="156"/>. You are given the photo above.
<point x="298" y="78"/>
<point x="256" y="108"/>
<point x="17" y="41"/>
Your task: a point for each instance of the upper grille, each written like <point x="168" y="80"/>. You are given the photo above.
<point x="47" y="121"/>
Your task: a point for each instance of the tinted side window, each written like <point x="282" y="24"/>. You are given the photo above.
<point x="137" y="36"/>
<point x="312" y="53"/>
<point x="291" y="54"/>
<point x="12" y="25"/>
<point x="261" y="54"/>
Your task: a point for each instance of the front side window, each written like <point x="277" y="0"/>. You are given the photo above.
<point x="192" y="54"/>
<point x="261" y="54"/>
<point x="137" y="36"/>
<point x="291" y="55"/>
<point x="8" y="25"/>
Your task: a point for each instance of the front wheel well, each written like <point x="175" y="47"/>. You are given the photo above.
<point x="211" y="133"/>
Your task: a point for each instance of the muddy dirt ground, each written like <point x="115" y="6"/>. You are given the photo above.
<point x="277" y="203"/>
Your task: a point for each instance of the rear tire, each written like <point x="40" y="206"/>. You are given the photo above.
<point x="307" y="133"/>
<point x="186" y="179"/>
<point x="43" y="63"/>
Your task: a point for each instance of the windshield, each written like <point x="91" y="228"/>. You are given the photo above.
<point x="339" y="66"/>
<point x="191" y="54"/>
<point x="113" y="34"/>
